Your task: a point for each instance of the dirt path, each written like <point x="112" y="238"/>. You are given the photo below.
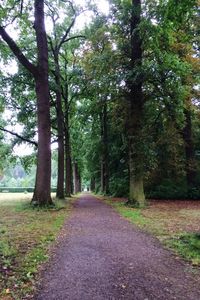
<point x="105" y="257"/>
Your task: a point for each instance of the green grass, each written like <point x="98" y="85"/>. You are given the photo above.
<point x="187" y="245"/>
<point x="25" y="236"/>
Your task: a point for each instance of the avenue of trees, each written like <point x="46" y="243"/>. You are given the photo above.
<point x="119" y="96"/>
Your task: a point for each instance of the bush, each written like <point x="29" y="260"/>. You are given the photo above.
<point x="194" y="193"/>
<point x="169" y="189"/>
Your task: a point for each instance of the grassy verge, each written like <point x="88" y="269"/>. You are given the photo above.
<point x="187" y="245"/>
<point x="175" y="223"/>
<point x="25" y="236"/>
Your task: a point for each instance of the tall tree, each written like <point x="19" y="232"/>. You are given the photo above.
<point x="59" y="44"/>
<point x="136" y="109"/>
<point x="42" y="195"/>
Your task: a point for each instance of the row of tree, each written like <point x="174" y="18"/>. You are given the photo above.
<point x="120" y="97"/>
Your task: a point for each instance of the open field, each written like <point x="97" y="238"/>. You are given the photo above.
<point x="175" y="223"/>
<point x="25" y="237"/>
<point x="11" y="198"/>
<point x="6" y="198"/>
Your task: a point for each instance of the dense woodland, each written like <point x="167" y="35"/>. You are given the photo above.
<point x="119" y="96"/>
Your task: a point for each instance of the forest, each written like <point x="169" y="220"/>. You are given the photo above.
<point x="109" y="97"/>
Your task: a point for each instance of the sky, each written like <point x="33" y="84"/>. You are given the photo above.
<point x="83" y="19"/>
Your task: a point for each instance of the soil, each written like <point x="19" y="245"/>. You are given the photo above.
<point x="104" y="257"/>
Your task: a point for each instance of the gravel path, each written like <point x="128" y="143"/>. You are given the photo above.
<point x="104" y="257"/>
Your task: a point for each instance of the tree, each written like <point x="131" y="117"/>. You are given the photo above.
<point x="127" y="28"/>
<point x="42" y="190"/>
<point x="175" y="75"/>
<point x="136" y="110"/>
<point x="60" y="46"/>
<point x="184" y="47"/>
<point x="99" y="77"/>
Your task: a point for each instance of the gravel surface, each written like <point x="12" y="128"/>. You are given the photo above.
<point x="104" y="257"/>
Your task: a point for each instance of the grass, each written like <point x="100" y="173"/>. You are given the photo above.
<point x="25" y="237"/>
<point x="187" y="245"/>
<point x="175" y="223"/>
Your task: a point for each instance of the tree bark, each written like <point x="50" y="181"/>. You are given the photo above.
<point x="60" y="122"/>
<point x="104" y="155"/>
<point x="68" y="163"/>
<point x="136" y="108"/>
<point x="136" y="171"/>
<point x="92" y="184"/>
<point x="42" y="192"/>
<point x="42" y="189"/>
<point x="76" y="178"/>
<point x="79" y="182"/>
<point x="61" y="153"/>
<point x="189" y="149"/>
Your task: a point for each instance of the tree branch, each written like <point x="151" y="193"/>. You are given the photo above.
<point x="74" y="37"/>
<point x="21" y="6"/>
<point x="66" y="33"/>
<point x="19" y="136"/>
<point x="17" y="52"/>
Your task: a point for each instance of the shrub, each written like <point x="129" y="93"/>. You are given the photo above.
<point x="168" y="189"/>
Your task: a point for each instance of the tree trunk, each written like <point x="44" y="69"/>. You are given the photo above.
<point x="136" y="108"/>
<point x="61" y="154"/>
<point x="189" y="149"/>
<point x="79" y="182"/>
<point x="68" y="165"/>
<point x="104" y="155"/>
<point x="68" y="162"/>
<point x="92" y="184"/>
<point x="60" y="121"/>
<point x="42" y="192"/>
<point x="76" y="178"/>
<point x="136" y="186"/>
